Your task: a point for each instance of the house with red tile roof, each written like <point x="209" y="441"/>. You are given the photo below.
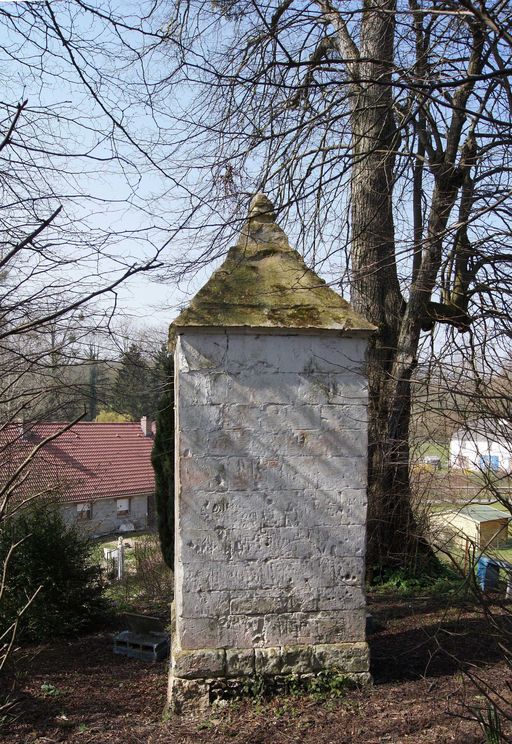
<point x="100" y="474"/>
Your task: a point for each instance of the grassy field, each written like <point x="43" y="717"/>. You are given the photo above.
<point x="431" y="449"/>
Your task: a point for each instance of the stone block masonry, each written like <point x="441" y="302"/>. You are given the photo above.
<point x="271" y="465"/>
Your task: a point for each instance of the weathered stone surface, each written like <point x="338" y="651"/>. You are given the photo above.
<point x="341" y="597"/>
<point x="205" y="603"/>
<point x="346" y="657"/>
<point x="263" y="283"/>
<point x="202" y="417"/>
<point x="259" y="630"/>
<point x="325" y="355"/>
<point x="268" y="661"/>
<point x="258" y="603"/>
<point x="201" y="389"/>
<point x="254" y="543"/>
<point x="240" y="662"/>
<point x="210" y="356"/>
<point x="261" y="510"/>
<point x="204" y="662"/>
<point x="291" y="574"/>
<point x="187" y="696"/>
<point x="345" y="418"/>
<point x="273" y="418"/>
<point x="296" y="660"/>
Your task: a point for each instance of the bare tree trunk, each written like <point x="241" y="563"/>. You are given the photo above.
<point x="376" y="292"/>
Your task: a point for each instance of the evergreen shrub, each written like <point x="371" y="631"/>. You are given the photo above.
<point x="57" y="558"/>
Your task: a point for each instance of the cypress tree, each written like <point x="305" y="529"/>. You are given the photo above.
<point x="162" y="458"/>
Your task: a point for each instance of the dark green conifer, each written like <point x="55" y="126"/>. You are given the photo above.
<point x="163" y="463"/>
<point x="132" y="385"/>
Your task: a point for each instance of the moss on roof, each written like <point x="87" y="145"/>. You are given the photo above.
<point x="263" y="283"/>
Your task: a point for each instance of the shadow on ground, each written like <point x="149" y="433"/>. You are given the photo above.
<point x="437" y="649"/>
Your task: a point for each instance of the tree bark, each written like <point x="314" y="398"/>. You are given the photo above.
<point x="393" y="534"/>
<point x="376" y="294"/>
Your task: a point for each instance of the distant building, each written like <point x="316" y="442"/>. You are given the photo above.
<point x="483" y="445"/>
<point x="476" y="525"/>
<point x="100" y="474"/>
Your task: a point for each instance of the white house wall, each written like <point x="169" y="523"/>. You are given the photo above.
<point x="104" y="519"/>
<point x="468" y="452"/>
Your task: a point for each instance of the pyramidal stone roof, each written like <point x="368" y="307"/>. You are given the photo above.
<point x="263" y="283"/>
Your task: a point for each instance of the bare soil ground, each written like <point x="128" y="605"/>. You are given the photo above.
<point x="79" y="691"/>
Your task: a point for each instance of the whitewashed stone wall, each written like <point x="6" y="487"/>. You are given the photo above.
<point x="271" y="504"/>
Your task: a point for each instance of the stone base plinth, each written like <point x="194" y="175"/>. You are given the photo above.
<point x="198" y="676"/>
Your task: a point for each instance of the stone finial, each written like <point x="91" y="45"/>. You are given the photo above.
<point x="261" y="209"/>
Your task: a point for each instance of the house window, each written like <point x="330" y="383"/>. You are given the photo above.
<point x="490" y="462"/>
<point x="123" y="507"/>
<point x="83" y="511"/>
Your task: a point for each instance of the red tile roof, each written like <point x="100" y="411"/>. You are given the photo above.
<point x="87" y="462"/>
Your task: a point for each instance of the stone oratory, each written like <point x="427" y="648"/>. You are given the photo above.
<point x="271" y="460"/>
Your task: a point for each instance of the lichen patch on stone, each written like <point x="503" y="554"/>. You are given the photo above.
<point x="263" y="283"/>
